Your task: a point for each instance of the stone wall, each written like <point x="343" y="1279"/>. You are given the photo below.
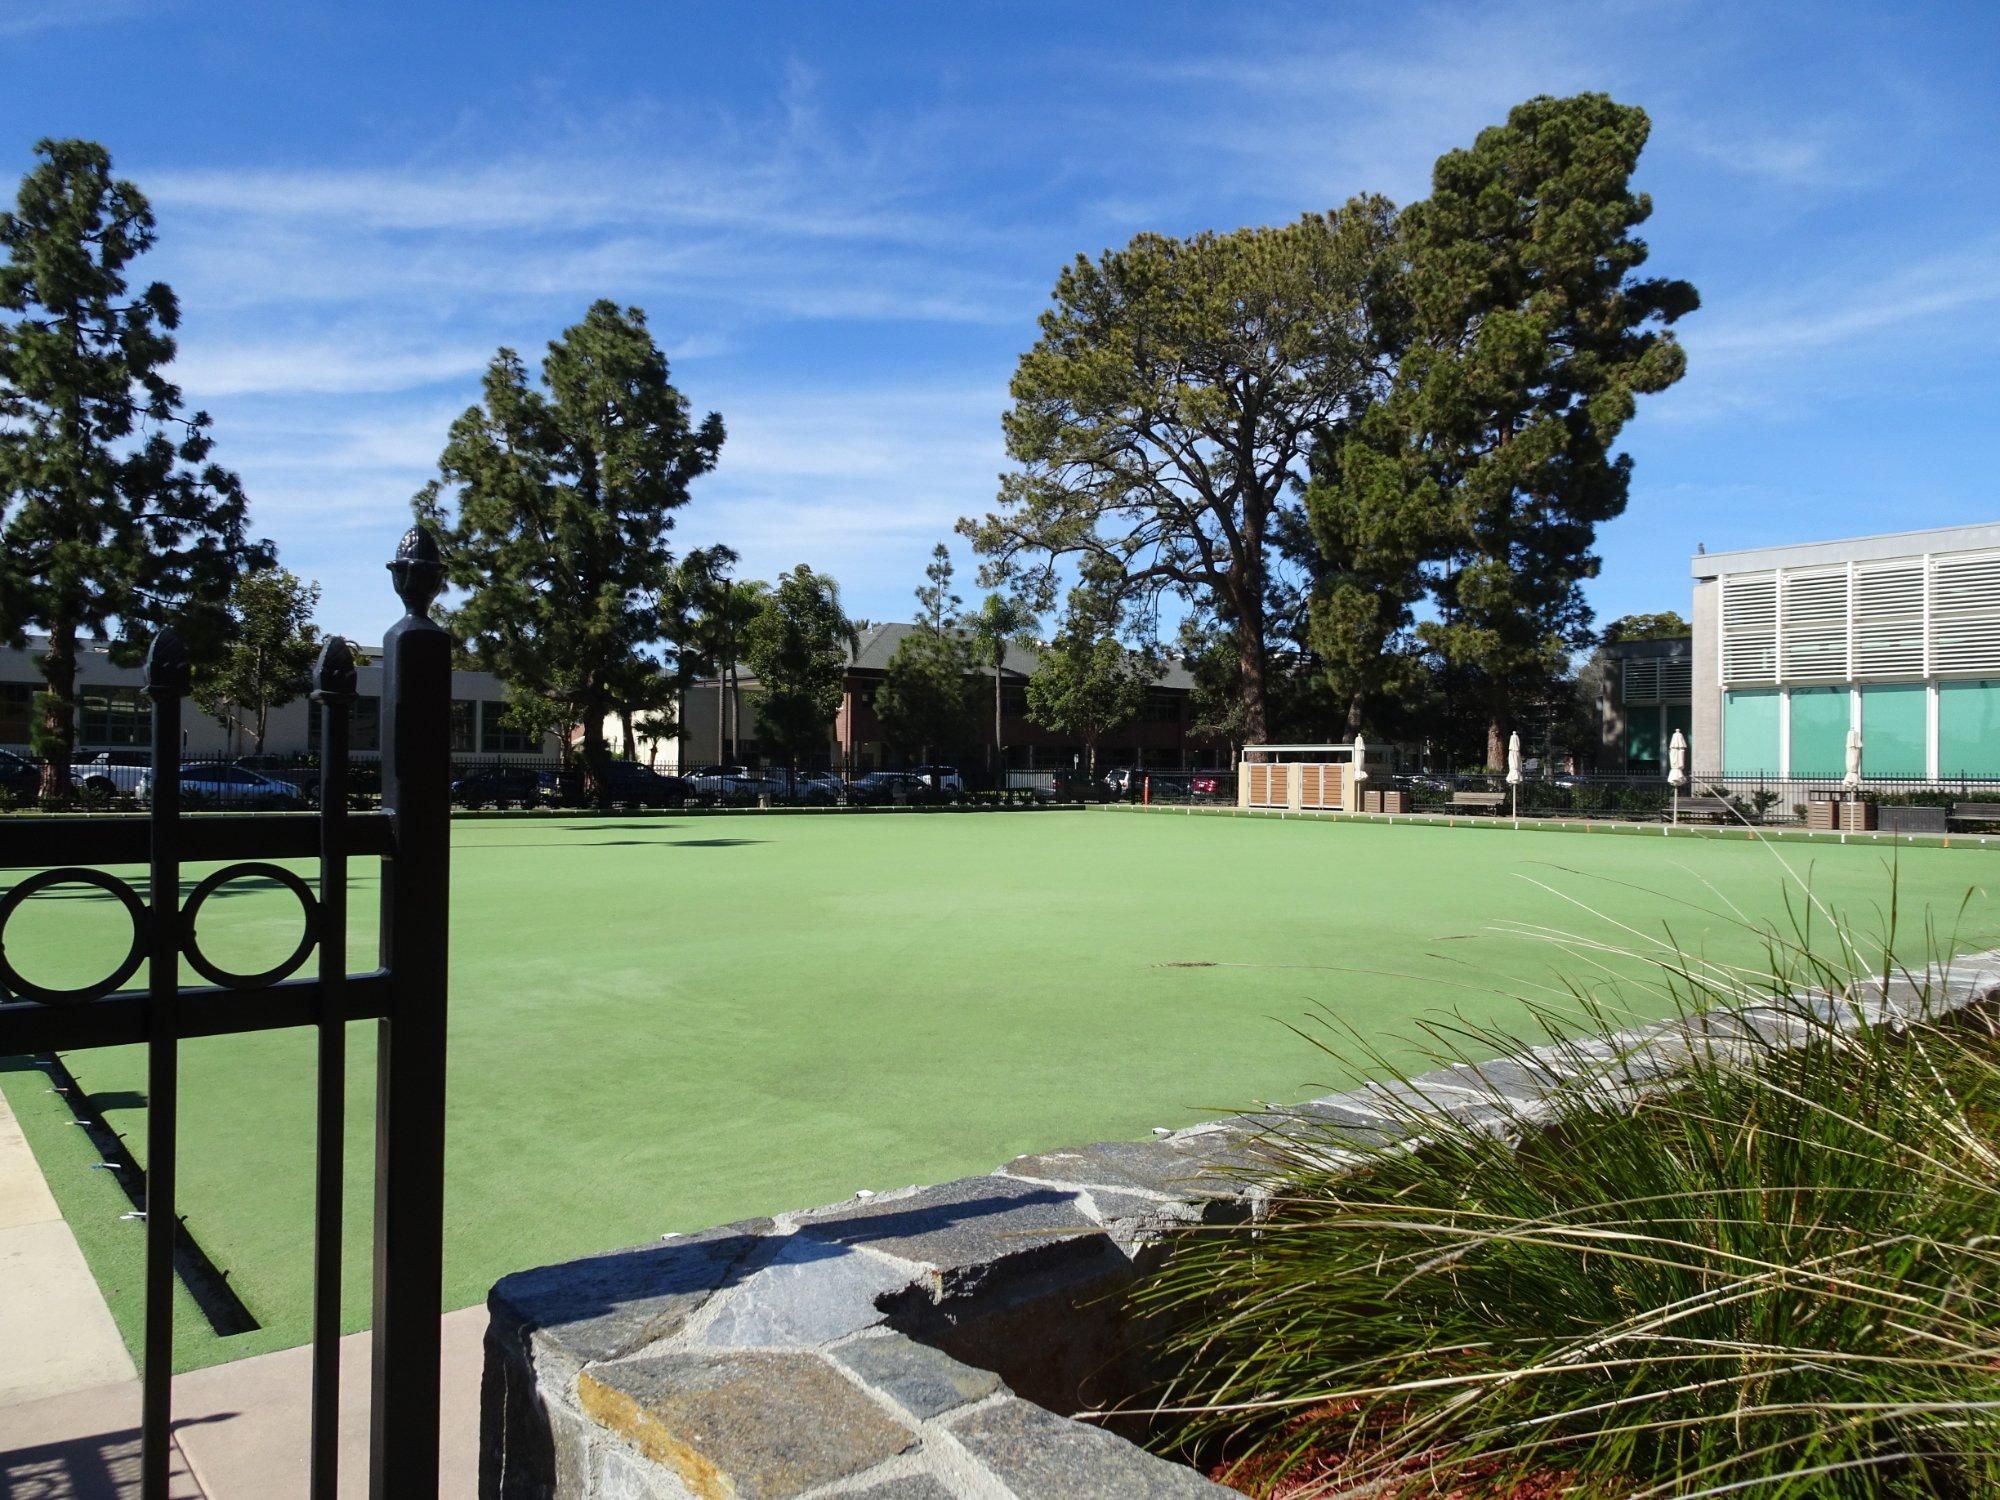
<point x="921" y="1344"/>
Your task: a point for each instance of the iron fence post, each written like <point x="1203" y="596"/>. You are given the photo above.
<point x="167" y="680"/>
<point x="410" y="1062"/>
<point x="333" y="691"/>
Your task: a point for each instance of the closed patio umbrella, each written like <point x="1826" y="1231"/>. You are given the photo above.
<point x="1360" y="769"/>
<point x="1853" y="777"/>
<point x="1514" y="770"/>
<point x="1677" y="759"/>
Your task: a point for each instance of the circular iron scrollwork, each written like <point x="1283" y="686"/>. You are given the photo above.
<point x="43" y="880"/>
<point x="213" y="972"/>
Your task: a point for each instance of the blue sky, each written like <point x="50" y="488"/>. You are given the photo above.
<point x="843" y="220"/>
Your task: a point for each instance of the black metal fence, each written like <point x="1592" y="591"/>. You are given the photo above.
<point x="405" y="995"/>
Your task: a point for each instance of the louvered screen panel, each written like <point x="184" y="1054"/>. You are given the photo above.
<point x="1814" y="633"/>
<point x="1965" y="613"/>
<point x="1750" y="628"/>
<point x="1642" y="680"/>
<point x="1310" y="778"/>
<point x="1889" y="619"/>
<point x="1676" y="680"/>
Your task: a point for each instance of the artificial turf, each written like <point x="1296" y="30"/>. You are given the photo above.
<point x="666" y="1022"/>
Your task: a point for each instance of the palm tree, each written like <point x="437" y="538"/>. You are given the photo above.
<point x="1001" y="621"/>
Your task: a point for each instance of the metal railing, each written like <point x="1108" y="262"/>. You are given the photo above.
<point x="405" y="995"/>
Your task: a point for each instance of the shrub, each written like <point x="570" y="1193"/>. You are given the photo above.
<point x="1779" y="1274"/>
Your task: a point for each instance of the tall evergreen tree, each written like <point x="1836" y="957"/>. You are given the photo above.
<point x="114" y="515"/>
<point x="926" y="701"/>
<point x="1162" y="420"/>
<point x="799" y="646"/>
<point x="268" y="660"/>
<point x="555" y="504"/>
<point x="1529" y="339"/>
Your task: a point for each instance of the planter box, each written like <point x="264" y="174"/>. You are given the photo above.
<point x="1848" y="816"/>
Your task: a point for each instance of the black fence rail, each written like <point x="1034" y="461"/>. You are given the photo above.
<point x="1763" y="801"/>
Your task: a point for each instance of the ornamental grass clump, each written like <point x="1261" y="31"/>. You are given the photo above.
<point x="1772" y="1270"/>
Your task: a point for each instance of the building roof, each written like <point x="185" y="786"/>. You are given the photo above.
<point x="1849" y="549"/>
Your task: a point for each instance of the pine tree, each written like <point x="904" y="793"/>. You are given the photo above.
<point x="1162" y="420"/>
<point x="563" y="499"/>
<point x="799" y="646"/>
<point x="926" y="700"/>
<point x="114" y="516"/>
<point x="1528" y="341"/>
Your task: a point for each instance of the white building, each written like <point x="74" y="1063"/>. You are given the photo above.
<point x="113" y="712"/>
<point x="1897" y="636"/>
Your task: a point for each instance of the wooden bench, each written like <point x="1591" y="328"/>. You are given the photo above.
<point x="1490" y="801"/>
<point x="1975" y="812"/>
<point x="1718" y="808"/>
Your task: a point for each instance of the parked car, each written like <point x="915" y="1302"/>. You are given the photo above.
<point x="497" y="786"/>
<point x="1076" y="786"/>
<point x="811" y="788"/>
<point x="730" y="787"/>
<point x="19" y="776"/>
<point x="625" y="781"/>
<point x="888" y="786"/>
<point x="1124" y="781"/>
<point x="107" y="774"/>
<point x="1206" y="783"/>
<point x="941" y="779"/>
<point x="236" y="788"/>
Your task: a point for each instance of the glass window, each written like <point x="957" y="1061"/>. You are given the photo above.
<point x="113" y="716"/>
<point x="1643" y="748"/>
<point x="461" y="726"/>
<point x="497" y="738"/>
<point x="1677" y="716"/>
<point x="1893" y="733"/>
<point x="364" y="727"/>
<point x="1750" y="732"/>
<point x="1821" y="718"/>
<point x="17" y="708"/>
<point x="1969" y="728"/>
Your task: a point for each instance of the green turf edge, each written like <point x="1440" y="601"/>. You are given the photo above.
<point x="91" y="1202"/>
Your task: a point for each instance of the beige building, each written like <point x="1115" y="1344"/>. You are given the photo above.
<point x="113" y="713"/>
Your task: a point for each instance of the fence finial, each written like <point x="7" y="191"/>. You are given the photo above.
<point x="169" y="671"/>
<point x="333" y="674"/>
<point x="418" y="570"/>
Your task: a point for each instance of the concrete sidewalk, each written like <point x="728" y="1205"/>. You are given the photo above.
<point x="56" y="1334"/>
<point x="240" y="1430"/>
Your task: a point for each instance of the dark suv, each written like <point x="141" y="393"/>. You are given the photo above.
<point x="496" y="786"/>
<point x="625" y="781"/>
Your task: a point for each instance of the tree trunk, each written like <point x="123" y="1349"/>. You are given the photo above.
<point x="56" y="741"/>
<point x="721" y="712"/>
<point x="631" y="738"/>
<point x="1497" y="726"/>
<point x="999" y="764"/>
<point x="595" y="790"/>
<point x="1355" y="703"/>
<point x="1250" y="653"/>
